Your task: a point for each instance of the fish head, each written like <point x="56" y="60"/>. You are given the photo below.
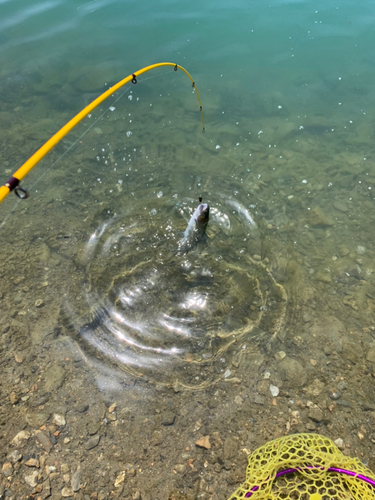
<point x="204" y="214"/>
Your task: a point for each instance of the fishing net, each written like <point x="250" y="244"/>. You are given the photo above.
<point x="306" y="467"/>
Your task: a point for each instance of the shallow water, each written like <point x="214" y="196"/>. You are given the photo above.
<point x="98" y="307"/>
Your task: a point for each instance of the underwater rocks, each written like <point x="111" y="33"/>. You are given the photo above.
<point x="317" y="218"/>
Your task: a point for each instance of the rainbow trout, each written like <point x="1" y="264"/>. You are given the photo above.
<point x="195" y="231"/>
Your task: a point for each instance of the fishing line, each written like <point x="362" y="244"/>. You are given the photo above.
<point x="160" y="75"/>
<point x="14" y="181"/>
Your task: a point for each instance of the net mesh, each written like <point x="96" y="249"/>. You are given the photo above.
<point x="312" y="455"/>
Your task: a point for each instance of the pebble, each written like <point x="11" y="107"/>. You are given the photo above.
<point x="370" y="356"/>
<point x="82" y="407"/>
<point x="67" y="492"/>
<point x="342" y="402"/>
<point x="136" y="495"/>
<point x="64" y="468"/>
<point x="204" y="442"/>
<point x="32" y="479"/>
<point x="92" y="442"/>
<point x="316" y="414"/>
<point x="119" y="479"/>
<point x="168" y="418"/>
<point x="18" y="358"/>
<point x="58" y="420"/>
<point x="274" y="390"/>
<point x="43" y="440"/>
<point x="341" y="207"/>
<point x="39" y="303"/>
<point x="20" y="438"/>
<point x="339" y="443"/>
<point x="75" y="482"/>
<point x="335" y="395"/>
<point x="227" y="374"/>
<point x="112" y="408"/>
<point x="7" y="469"/>
<point x="180" y="468"/>
<point x="14" y="456"/>
<point x="280" y="355"/>
<point x="32" y="462"/>
<point x="13" y="398"/>
<point x="238" y="400"/>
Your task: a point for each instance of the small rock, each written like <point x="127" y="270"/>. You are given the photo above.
<point x="13" y="398"/>
<point x="317" y="218"/>
<point x="136" y="495"/>
<point x="14" y="456"/>
<point x="370" y="356"/>
<point x="293" y="372"/>
<point x="18" y="358"/>
<point x="306" y="317"/>
<point x="227" y="374"/>
<point x="343" y="250"/>
<point x="230" y="448"/>
<point x="7" y="469"/>
<point x="21" y="438"/>
<point x="82" y="407"/>
<point x="32" y="479"/>
<point x="341" y="207"/>
<point x="58" y="420"/>
<point x="342" y="385"/>
<point x="368" y="407"/>
<point x="168" y="418"/>
<point x="315" y="388"/>
<point x="66" y="440"/>
<point x="310" y="426"/>
<point x="280" y="355"/>
<point x="112" y="408"/>
<point x="75" y="482"/>
<point x="344" y="403"/>
<point x="361" y="250"/>
<point x="46" y="488"/>
<point x="180" y="468"/>
<point x="43" y="440"/>
<point x="274" y="390"/>
<point x="316" y="414"/>
<point x="67" y="492"/>
<point x="54" y="377"/>
<point x="36" y="418"/>
<point x="335" y="395"/>
<point x="258" y="400"/>
<point x="238" y="400"/>
<point x="64" y="468"/>
<point x="313" y="362"/>
<point x="32" y="462"/>
<point x="39" y="303"/>
<point x="339" y="443"/>
<point x="204" y="442"/>
<point x="92" y="442"/>
<point x="120" y="479"/>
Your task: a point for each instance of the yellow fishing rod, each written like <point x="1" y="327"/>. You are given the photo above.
<point x="13" y="182"/>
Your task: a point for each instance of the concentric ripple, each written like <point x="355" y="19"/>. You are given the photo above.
<point x="178" y="319"/>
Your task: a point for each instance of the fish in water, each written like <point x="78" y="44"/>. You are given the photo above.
<point x="195" y="231"/>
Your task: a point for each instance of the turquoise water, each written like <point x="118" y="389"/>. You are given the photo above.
<point x="102" y="306"/>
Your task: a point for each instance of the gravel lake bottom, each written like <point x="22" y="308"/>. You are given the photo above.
<point x="88" y="412"/>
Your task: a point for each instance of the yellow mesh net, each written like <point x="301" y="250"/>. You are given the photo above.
<point x="306" y="467"/>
